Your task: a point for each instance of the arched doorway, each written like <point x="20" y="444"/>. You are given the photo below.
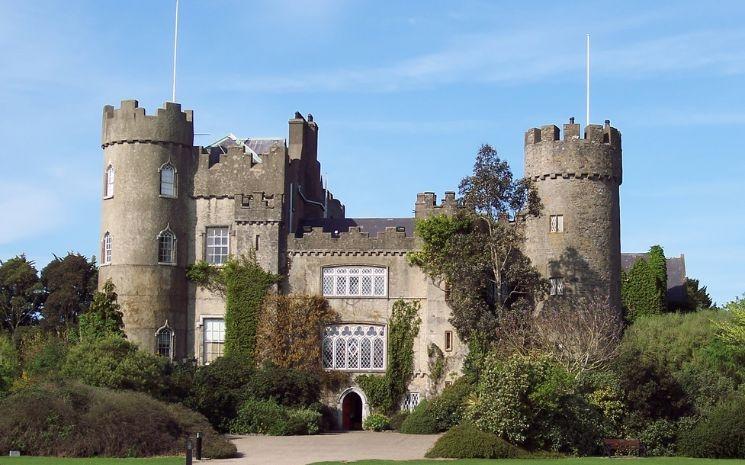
<point x="351" y="411"/>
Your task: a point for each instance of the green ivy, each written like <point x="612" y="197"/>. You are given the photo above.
<point x="436" y="362"/>
<point x="244" y="284"/>
<point x="644" y="285"/>
<point x="384" y="393"/>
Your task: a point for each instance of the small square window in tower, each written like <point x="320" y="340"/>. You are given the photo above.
<point x="557" y="224"/>
<point x="557" y="286"/>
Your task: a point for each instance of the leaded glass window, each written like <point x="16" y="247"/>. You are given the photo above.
<point x="218" y="245"/>
<point x="106" y="249"/>
<point x="164" y="342"/>
<point x="411" y="400"/>
<point x="355" y="281"/>
<point x="108" y="189"/>
<point x="557" y="286"/>
<point x="168" y="180"/>
<point x="557" y="223"/>
<point x="354" y="347"/>
<point x="167" y="247"/>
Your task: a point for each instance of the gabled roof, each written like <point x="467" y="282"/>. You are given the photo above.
<point x="256" y="146"/>
<point x="676" y="274"/>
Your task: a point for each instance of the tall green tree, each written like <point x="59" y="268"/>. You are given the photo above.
<point x="20" y="293"/>
<point x="644" y="285"/>
<point x="69" y="284"/>
<point x="697" y="297"/>
<point x="476" y="254"/>
<point x="104" y="317"/>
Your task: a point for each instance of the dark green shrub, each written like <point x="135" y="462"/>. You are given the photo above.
<point x="287" y="386"/>
<point x="398" y="418"/>
<point x="9" y="364"/>
<point x="47" y="359"/>
<point x="449" y="407"/>
<point x="268" y="417"/>
<point x="83" y="421"/>
<point x="465" y="441"/>
<point x="659" y="438"/>
<point x="719" y="434"/>
<point x="115" y="363"/>
<point x="376" y="422"/>
<point x="219" y="389"/>
<point x="421" y="420"/>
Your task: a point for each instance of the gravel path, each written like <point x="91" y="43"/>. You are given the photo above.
<point x="301" y="450"/>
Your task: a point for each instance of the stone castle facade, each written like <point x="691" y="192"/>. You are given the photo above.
<point x="168" y="203"/>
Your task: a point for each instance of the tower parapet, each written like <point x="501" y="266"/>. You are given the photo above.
<point x="426" y="204"/>
<point x="130" y="124"/>
<point x="576" y="239"/>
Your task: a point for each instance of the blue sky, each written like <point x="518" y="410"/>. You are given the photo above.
<point x="404" y="93"/>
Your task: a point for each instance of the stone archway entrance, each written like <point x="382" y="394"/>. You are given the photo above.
<point x="351" y="411"/>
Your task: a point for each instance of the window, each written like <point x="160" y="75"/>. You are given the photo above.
<point x="214" y="339"/>
<point x="256" y="244"/>
<point x="354" y="347"/>
<point x="355" y="281"/>
<point x="164" y="341"/>
<point x="217" y="245"/>
<point x="167" y="247"/>
<point x="448" y="340"/>
<point x="106" y="249"/>
<point x="168" y="180"/>
<point x="108" y="182"/>
<point x="557" y="286"/>
<point x="557" y="224"/>
<point x="410" y="401"/>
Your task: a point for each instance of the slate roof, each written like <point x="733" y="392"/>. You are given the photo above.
<point x="676" y="274"/>
<point x="373" y="226"/>
<point x="257" y="146"/>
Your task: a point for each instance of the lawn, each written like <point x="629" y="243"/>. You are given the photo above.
<point x="90" y="461"/>
<point x="568" y="461"/>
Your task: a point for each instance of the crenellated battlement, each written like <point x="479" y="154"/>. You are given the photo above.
<point x="130" y="124"/>
<point x="355" y="241"/>
<point x="426" y="204"/>
<point x="594" y="133"/>
<point x="594" y="156"/>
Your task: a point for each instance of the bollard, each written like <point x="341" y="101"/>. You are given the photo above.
<point x="188" y="451"/>
<point x="199" y="446"/>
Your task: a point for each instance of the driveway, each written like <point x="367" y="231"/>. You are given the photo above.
<point x="354" y="445"/>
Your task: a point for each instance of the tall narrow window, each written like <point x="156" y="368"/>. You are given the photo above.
<point x="108" y="184"/>
<point x="168" y="180"/>
<point x="213" y="338"/>
<point x="218" y="245"/>
<point x="164" y="341"/>
<point x="448" y="340"/>
<point x="256" y="244"/>
<point x="106" y="249"/>
<point x="557" y="224"/>
<point x="557" y="286"/>
<point x="167" y="247"/>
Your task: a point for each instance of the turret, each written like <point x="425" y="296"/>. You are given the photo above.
<point x="147" y="169"/>
<point x="575" y="242"/>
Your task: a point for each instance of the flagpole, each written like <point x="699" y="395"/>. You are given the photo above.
<point x="587" y="79"/>
<point x="175" y="47"/>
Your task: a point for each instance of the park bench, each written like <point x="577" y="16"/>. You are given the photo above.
<point x="623" y="447"/>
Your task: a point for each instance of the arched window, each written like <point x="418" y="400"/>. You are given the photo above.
<point x="108" y="182"/>
<point x="164" y="341"/>
<point x="355" y="281"/>
<point x="168" y="180"/>
<point x="354" y="347"/>
<point x="106" y="249"/>
<point x="167" y="247"/>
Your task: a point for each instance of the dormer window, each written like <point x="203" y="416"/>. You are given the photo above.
<point x="168" y="180"/>
<point x="108" y="182"/>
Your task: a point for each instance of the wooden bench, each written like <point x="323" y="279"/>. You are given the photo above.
<point x="623" y="447"/>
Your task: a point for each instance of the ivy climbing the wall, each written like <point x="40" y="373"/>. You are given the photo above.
<point x="244" y="284"/>
<point x="385" y="393"/>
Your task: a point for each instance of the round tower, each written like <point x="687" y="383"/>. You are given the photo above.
<point x="576" y="241"/>
<point x="144" y="221"/>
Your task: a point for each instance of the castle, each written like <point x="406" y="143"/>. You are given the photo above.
<point x="168" y="203"/>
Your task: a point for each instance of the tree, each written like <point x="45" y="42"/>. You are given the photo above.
<point x="69" y="284"/>
<point x="644" y="286"/>
<point x="732" y="330"/>
<point x="104" y="317"/>
<point x="20" y="293"/>
<point x="476" y="255"/>
<point x="697" y="298"/>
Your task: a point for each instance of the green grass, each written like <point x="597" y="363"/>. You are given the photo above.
<point x="567" y="461"/>
<point x="90" y="461"/>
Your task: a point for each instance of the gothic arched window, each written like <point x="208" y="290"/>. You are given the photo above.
<point x="106" y="249"/>
<point x="167" y="247"/>
<point x="164" y="341"/>
<point x="354" y="347"/>
<point x="168" y="180"/>
<point x="108" y="182"/>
